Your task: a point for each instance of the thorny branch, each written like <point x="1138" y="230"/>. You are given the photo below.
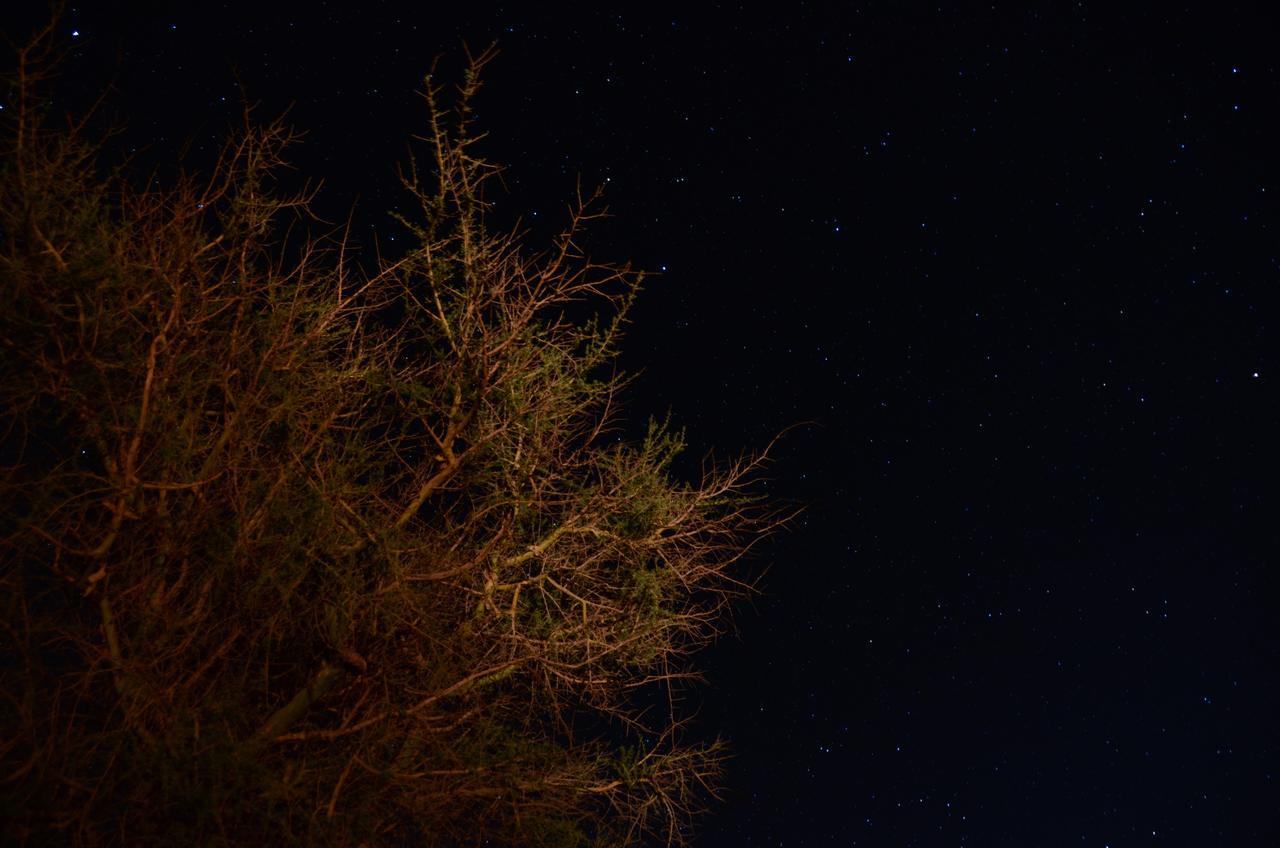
<point x="362" y="540"/>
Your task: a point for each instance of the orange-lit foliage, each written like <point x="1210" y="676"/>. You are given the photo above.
<point x="297" y="553"/>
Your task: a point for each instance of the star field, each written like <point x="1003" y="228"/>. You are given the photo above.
<point x="1014" y="273"/>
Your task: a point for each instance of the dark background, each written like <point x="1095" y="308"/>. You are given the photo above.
<point x="1015" y="265"/>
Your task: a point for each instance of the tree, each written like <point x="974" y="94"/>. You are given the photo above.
<point x="295" y="552"/>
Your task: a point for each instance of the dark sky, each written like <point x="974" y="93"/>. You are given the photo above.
<point x="1017" y="264"/>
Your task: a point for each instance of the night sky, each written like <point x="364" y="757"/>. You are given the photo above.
<point x="1012" y="268"/>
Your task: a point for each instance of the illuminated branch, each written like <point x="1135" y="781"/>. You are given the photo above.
<point x="367" y="547"/>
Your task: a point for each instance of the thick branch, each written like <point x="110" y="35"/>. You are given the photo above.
<point x="284" y="718"/>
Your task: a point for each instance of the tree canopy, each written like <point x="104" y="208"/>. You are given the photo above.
<point x="295" y="551"/>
